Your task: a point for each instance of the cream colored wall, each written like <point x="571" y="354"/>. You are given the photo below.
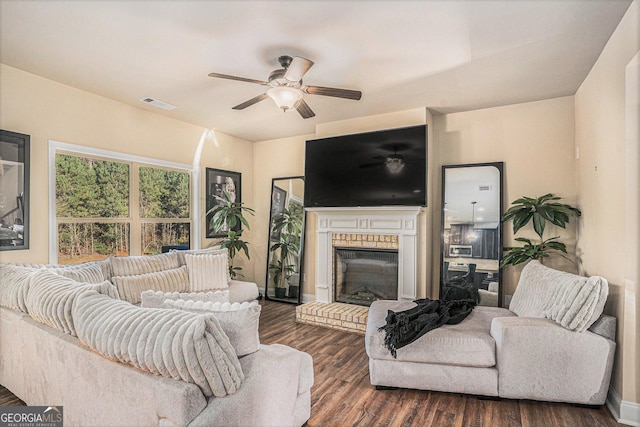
<point x="535" y="142"/>
<point x="601" y="187"/>
<point x="277" y="158"/>
<point x="48" y="110"/>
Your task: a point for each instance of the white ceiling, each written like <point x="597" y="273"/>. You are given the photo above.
<point x="445" y="55"/>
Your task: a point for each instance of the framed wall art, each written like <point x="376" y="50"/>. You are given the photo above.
<point x="14" y="190"/>
<point x="217" y="183"/>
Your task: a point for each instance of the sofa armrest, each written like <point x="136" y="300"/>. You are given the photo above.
<point x="539" y="359"/>
<point x="278" y="379"/>
<point x="240" y="291"/>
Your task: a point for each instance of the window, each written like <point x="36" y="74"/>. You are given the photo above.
<point x="114" y="206"/>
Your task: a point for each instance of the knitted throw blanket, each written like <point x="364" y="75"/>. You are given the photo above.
<point x="175" y="344"/>
<point x="404" y="327"/>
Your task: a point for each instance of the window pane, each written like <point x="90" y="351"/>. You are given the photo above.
<point x="91" y="188"/>
<point x="156" y="235"/>
<point x="80" y="242"/>
<point x="163" y="193"/>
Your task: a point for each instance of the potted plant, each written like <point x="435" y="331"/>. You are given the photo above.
<point x="226" y="216"/>
<point x="288" y="226"/>
<point x="539" y="211"/>
<point x="280" y="273"/>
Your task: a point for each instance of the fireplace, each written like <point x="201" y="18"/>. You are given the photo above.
<point x="384" y="228"/>
<point x="363" y="275"/>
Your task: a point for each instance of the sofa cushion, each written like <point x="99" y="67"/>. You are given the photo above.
<point x="14" y="286"/>
<point x="131" y="287"/>
<point x="239" y="321"/>
<point x="176" y="344"/>
<point x="573" y="301"/>
<point x="207" y="271"/>
<point x="51" y="298"/>
<point x="135" y="265"/>
<point x="84" y="273"/>
<point x="241" y="291"/>
<point x="156" y="299"/>
<point x="469" y="343"/>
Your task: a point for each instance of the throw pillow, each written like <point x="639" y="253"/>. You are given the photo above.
<point x="578" y="306"/>
<point x="207" y="271"/>
<point x="184" y="346"/>
<point x="239" y="321"/>
<point x="156" y="299"/>
<point x="131" y="287"/>
<point x="85" y="273"/>
<point x="14" y="286"/>
<point x="51" y="298"/>
<point x="135" y="265"/>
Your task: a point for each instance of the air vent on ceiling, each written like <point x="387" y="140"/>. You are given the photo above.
<point x="159" y="104"/>
<point x="484" y="187"/>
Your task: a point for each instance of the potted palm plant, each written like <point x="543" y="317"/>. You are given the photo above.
<point x="539" y="211"/>
<point x="226" y="216"/>
<point x="288" y="226"/>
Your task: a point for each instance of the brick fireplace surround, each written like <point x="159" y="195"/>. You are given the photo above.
<point x="376" y="228"/>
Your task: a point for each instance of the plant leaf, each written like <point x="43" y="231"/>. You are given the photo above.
<point x="538" y="224"/>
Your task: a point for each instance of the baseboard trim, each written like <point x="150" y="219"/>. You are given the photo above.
<point x="623" y="411"/>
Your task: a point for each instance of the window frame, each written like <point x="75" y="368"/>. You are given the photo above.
<point x="57" y="147"/>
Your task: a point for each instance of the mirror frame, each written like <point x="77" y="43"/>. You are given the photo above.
<point x="500" y="167"/>
<point x="289" y="300"/>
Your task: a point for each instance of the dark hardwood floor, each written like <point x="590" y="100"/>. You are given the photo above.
<point x="343" y="396"/>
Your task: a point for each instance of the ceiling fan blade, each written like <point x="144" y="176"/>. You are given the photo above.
<point x="297" y="69"/>
<point x="250" y="102"/>
<point x="371" y="165"/>
<point x="332" y="91"/>
<point x="240" y="79"/>
<point x="304" y="110"/>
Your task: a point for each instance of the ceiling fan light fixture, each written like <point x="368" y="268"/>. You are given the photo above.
<point x="394" y="165"/>
<point x="285" y="97"/>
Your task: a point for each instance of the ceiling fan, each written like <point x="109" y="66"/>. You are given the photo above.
<point x="286" y="87"/>
<point x="393" y="162"/>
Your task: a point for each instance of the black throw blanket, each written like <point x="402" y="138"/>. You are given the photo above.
<point x="404" y="327"/>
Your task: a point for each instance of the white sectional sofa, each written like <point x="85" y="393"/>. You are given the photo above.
<point x="553" y="344"/>
<point x="48" y="356"/>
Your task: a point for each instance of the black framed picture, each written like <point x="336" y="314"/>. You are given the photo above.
<point x="14" y="190"/>
<point x="217" y="183"/>
<point x="278" y="203"/>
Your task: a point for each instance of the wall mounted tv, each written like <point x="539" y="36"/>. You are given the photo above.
<point x="383" y="168"/>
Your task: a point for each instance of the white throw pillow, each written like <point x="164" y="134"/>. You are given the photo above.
<point x="84" y="273"/>
<point x="135" y="265"/>
<point x="573" y="301"/>
<point x="207" y="271"/>
<point x="184" y="346"/>
<point x="131" y="287"/>
<point x="239" y="321"/>
<point x="51" y="298"/>
<point x="156" y="299"/>
<point x="14" y="286"/>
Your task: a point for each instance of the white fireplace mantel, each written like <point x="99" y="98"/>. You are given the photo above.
<point x="400" y="221"/>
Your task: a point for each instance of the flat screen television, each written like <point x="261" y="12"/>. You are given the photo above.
<point x="383" y="168"/>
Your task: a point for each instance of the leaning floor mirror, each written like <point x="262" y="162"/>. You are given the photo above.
<point x="472" y="233"/>
<point x="286" y="240"/>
